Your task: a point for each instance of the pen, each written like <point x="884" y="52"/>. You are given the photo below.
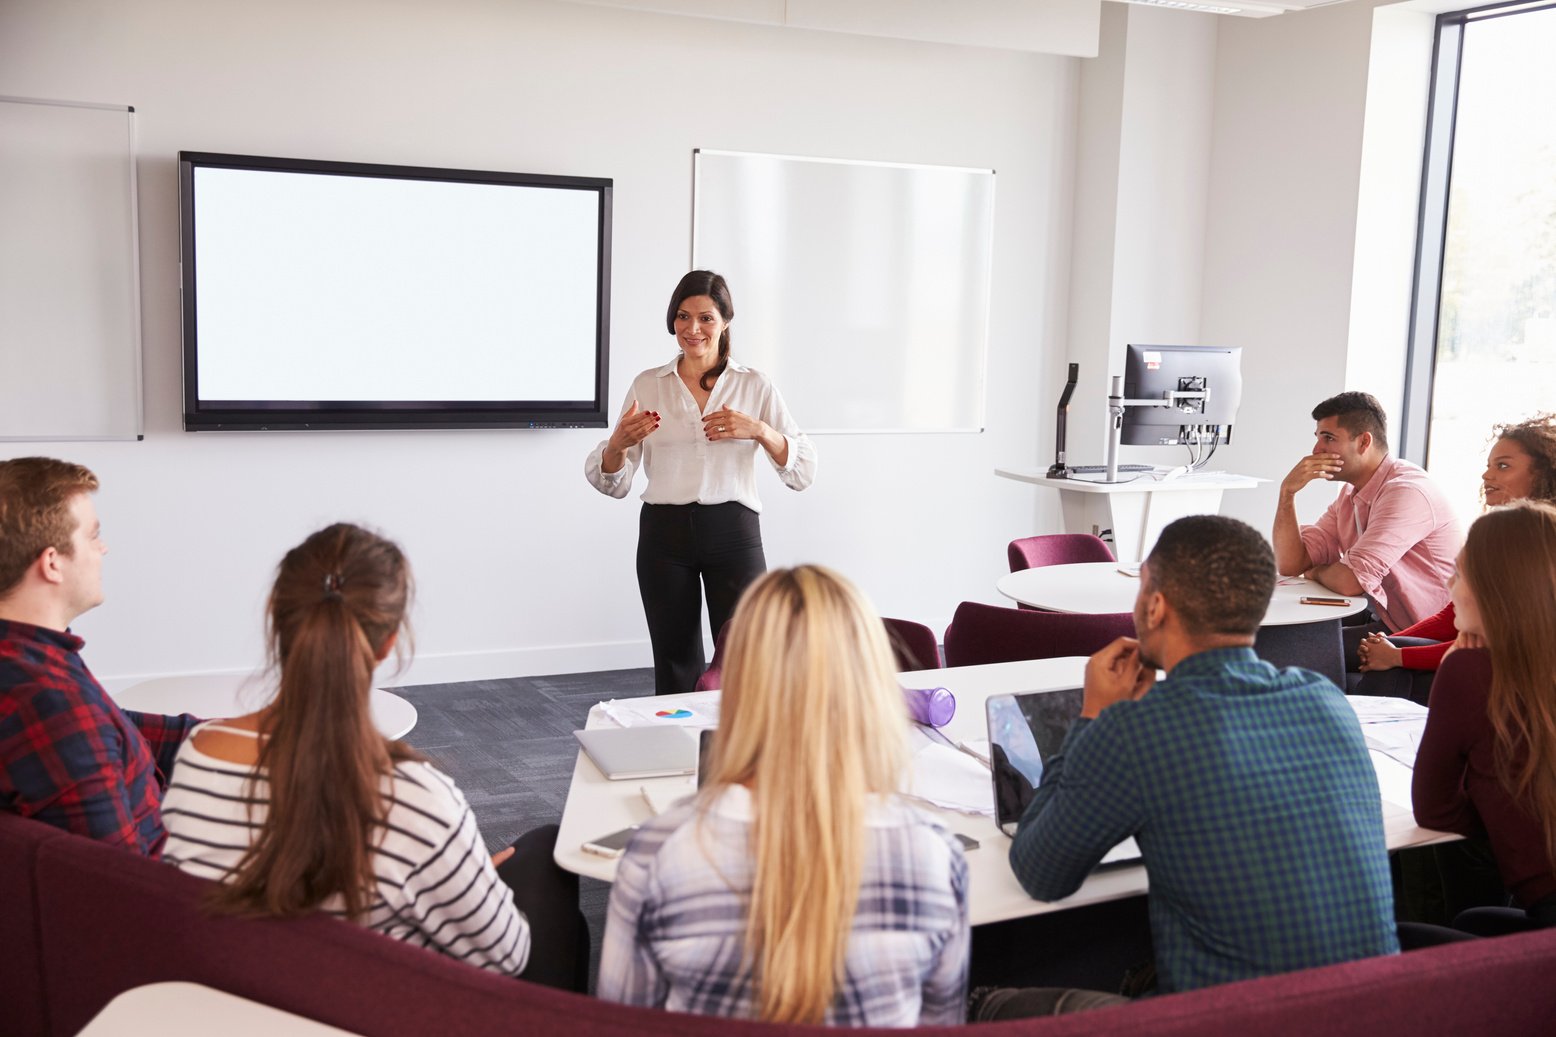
<point x="1342" y="602"/>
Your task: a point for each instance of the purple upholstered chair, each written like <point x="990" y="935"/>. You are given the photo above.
<point x="991" y="634"/>
<point x="1057" y="549"/>
<point x="913" y="645"/>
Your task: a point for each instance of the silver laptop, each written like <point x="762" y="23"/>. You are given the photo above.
<point x="640" y="752"/>
<point x="1025" y="730"/>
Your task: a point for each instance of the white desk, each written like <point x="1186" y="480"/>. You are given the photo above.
<point x="1099" y="587"/>
<point x="196" y="1010"/>
<point x="597" y="805"/>
<point x="1136" y="511"/>
<point x="234" y="696"/>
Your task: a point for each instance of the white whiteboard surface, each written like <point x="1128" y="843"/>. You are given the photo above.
<point x="69" y="272"/>
<point x="861" y="288"/>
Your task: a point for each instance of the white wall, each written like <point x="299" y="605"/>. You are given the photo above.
<point x="522" y="567"/>
<point x="1146" y="111"/>
<point x="1285" y="162"/>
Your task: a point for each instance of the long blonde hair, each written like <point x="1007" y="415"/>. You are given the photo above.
<point x="813" y="721"/>
<point x="1510" y="563"/>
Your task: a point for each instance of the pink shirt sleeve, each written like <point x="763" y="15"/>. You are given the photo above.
<point x="1322" y="539"/>
<point x="1402" y="517"/>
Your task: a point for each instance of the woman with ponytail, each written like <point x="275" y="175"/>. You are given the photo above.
<point x="695" y="426"/>
<point x="1487" y="762"/>
<point x="797" y="887"/>
<point x="304" y="805"/>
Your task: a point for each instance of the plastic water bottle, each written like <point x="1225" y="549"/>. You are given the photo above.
<point x="932" y="706"/>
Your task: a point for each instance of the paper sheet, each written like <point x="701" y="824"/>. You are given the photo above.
<point x="951" y="779"/>
<point x="699" y="709"/>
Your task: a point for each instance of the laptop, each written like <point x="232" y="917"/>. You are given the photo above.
<point x="640" y="752"/>
<point x="1025" y="730"/>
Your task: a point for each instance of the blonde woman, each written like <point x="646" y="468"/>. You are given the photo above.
<point x="797" y="887"/>
<point x="1487" y="762"/>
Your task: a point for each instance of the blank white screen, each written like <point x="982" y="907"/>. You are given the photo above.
<point x="347" y="288"/>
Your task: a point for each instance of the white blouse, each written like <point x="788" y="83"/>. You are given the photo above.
<point x="683" y="466"/>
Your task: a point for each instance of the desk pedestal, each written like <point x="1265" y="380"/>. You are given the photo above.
<point x="1136" y="512"/>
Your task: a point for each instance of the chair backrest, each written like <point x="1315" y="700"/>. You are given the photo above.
<point x="913" y="644"/>
<point x="991" y="634"/>
<point x="1057" y="549"/>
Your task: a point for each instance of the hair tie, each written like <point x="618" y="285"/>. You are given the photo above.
<point x="332" y="585"/>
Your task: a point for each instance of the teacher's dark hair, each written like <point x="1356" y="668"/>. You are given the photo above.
<point x="339" y="597"/>
<point x="1217" y="573"/>
<point x="705" y="282"/>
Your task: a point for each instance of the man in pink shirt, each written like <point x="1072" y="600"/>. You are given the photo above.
<point x="1390" y="534"/>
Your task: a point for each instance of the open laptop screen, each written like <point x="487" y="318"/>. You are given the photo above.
<point x="1025" y="731"/>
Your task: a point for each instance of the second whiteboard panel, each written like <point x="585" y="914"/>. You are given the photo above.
<point x="861" y="288"/>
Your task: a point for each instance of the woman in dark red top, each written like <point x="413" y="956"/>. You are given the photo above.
<point x="1487" y="761"/>
<point x="1521" y="465"/>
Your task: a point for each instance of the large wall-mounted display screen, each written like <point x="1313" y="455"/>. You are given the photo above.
<point x="327" y="295"/>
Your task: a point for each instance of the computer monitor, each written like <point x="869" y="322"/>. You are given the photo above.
<point x="1155" y="372"/>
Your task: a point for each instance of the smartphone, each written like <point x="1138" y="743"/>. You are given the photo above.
<point x="1323" y="601"/>
<point x="611" y="845"/>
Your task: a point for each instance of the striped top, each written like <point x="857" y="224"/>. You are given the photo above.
<point x="436" y="887"/>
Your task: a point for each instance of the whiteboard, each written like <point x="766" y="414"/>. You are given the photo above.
<point x="861" y="288"/>
<point x="69" y="272"/>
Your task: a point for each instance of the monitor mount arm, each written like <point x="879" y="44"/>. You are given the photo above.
<point x="1116" y="405"/>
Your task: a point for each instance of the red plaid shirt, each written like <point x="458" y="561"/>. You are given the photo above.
<point x="68" y="755"/>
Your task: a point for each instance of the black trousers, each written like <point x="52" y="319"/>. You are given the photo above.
<point x="548" y="897"/>
<point x="685" y="550"/>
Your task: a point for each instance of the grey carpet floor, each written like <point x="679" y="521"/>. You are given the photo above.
<point x="509" y="746"/>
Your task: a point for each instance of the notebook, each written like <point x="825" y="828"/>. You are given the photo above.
<point x="640" y="752"/>
<point x="1025" y="730"/>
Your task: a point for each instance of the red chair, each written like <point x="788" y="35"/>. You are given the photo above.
<point x="991" y="634"/>
<point x="913" y="645"/>
<point x="1057" y="549"/>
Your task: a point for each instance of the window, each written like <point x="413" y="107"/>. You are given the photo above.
<point x="1483" y="328"/>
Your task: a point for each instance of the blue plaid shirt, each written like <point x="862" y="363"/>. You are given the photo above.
<point x="675" y="932"/>
<point x="1256" y="808"/>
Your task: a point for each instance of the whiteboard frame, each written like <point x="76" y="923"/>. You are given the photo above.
<point x="136" y="345"/>
<point x="980" y="423"/>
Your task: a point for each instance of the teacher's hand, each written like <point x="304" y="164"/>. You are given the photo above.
<point x="632" y="429"/>
<point x="725" y="423"/>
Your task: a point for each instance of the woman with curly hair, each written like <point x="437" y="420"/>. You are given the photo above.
<point x="1521" y="466"/>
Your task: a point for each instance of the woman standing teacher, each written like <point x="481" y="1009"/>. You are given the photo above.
<point x="696" y="425"/>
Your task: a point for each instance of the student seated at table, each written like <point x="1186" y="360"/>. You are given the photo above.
<point x="1487" y="761"/>
<point x="69" y="756"/>
<point x="1248" y="788"/>
<point x="1521" y="465"/>
<point x="1390" y="533"/>
<point x="797" y="887"/>
<point x="303" y="805"/>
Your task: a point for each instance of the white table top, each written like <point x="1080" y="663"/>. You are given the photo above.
<point x="230" y="695"/>
<point x="195" y="1010"/>
<point x="1095" y="587"/>
<point x="1146" y="482"/>
<point x="597" y="806"/>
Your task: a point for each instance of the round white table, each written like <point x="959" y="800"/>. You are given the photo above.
<point x="1094" y="587"/>
<point x="231" y="696"/>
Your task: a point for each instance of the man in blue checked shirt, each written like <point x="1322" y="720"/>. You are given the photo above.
<point x="1248" y="788"/>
